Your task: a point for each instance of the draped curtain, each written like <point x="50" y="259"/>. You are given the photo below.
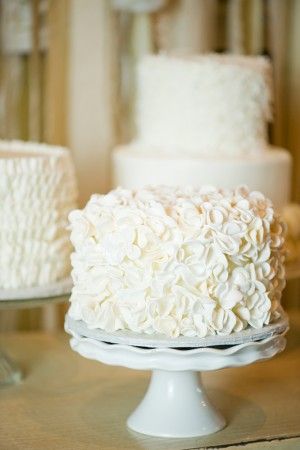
<point x="67" y="76"/>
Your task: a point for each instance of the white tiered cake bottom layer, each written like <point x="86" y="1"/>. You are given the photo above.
<point x="269" y="173"/>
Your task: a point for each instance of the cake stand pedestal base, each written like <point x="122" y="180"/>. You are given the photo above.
<point x="9" y="371"/>
<point x="27" y="298"/>
<point x="175" y="405"/>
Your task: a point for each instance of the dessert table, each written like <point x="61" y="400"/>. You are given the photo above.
<point x="71" y="403"/>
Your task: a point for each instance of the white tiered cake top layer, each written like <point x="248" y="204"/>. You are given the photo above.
<point x="203" y="105"/>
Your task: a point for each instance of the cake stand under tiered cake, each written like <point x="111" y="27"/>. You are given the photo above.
<point x="176" y="404"/>
<point x="33" y="297"/>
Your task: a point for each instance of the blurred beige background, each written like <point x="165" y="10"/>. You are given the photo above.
<point x="67" y="77"/>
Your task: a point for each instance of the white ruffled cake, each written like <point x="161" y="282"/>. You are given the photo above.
<point x="177" y="261"/>
<point x="204" y="120"/>
<point x="37" y="192"/>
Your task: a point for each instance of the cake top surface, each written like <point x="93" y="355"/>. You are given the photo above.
<point x="258" y="64"/>
<point x="177" y="261"/>
<point x="167" y="198"/>
<point x="25" y="149"/>
<point x="204" y="105"/>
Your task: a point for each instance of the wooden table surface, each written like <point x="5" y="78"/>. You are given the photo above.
<point x="70" y="403"/>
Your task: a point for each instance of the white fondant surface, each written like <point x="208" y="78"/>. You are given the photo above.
<point x="269" y="172"/>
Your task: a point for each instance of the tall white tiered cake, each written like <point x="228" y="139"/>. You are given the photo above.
<point x="204" y="120"/>
<point x="37" y="191"/>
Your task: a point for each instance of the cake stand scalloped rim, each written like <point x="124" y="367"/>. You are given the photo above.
<point x="202" y="358"/>
<point x="176" y="404"/>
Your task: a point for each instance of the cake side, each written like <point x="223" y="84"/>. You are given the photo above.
<point x="133" y="168"/>
<point x="37" y="191"/>
<point x="177" y="261"/>
<point x="203" y="105"/>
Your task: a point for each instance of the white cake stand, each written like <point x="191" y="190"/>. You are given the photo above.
<point x="176" y="404"/>
<point x="33" y="297"/>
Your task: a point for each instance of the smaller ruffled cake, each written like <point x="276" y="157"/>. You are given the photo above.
<point x="177" y="261"/>
<point x="38" y="189"/>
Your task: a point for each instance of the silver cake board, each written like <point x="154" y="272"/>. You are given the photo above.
<point x="62" y="287"/>
<point x="126" y="337"/>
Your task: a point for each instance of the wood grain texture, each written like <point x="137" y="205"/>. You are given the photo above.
<point x="34" y="79"/>
<point x="56" y="66"/>
<point x="92" y="92"/>
<point x="293" y="93"/>
<point x="236" y="26"/>
<point x="255" y="36"/>
<point x="187" y="25"/>
<point x="68" y="402"/>
<point x="14" y="93"/>
<point x="277" y="36"/>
